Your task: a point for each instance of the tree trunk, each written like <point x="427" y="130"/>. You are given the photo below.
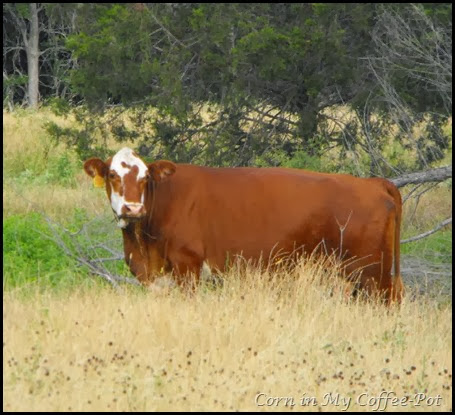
<point x="32" y="50"/>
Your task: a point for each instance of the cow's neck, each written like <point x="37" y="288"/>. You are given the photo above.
<point x="142" y="253"/>
<point x="139" y="236"/>
<point x="143" y="242"/>
<point x="133" y="242"/>
<point x="157" y="201"/>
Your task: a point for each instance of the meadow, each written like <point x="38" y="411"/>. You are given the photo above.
<point x="282" y="341"/>
<point x="98" y="349"/>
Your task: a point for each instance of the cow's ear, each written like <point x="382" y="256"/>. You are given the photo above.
<point x="162" y="170"/>
<point x="97" y="169"/>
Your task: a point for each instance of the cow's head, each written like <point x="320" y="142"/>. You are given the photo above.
<point x="126" y="178"/>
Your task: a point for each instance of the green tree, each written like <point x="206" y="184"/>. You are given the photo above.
<point x="231" y="83"/>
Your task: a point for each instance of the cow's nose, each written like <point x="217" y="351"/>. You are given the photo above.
<point x="133" y="209"/>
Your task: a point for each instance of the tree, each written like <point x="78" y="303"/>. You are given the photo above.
<point x="412" y="66"/>
<point x="260" y="78"/>
<point x="35" y="62"/>
<point x="27" y="21"/>
<point x="246" y="84"/>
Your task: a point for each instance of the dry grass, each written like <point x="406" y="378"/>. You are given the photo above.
<point x="428" y="210"/>
<point x="218" y="349"/>
<point x="55" y="200"/>
<point x="24" y="134"/>
<point x="27" y="147"/>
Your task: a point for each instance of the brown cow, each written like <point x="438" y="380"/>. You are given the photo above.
<point x="181" y="217"/>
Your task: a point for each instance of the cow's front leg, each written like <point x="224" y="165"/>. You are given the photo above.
<point x="145" y="262"/>
<point x="186" y="266"/>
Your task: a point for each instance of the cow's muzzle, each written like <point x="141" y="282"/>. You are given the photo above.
<point x="132" y="211"/>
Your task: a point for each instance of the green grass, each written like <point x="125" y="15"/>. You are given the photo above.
<point x="32" y="256"/>
<point x="436" y="247"/>
<point x="27" y="249"/>
<point x="57" y="169"/>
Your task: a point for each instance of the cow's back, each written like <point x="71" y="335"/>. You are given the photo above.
<point x="221" y="213"/>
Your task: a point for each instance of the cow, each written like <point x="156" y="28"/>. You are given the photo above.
<point x="183" y="218"/>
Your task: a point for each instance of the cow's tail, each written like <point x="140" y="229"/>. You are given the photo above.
<point x="397" y="285"/>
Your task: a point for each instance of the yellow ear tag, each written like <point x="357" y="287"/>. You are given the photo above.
<point x="98" y="181"/>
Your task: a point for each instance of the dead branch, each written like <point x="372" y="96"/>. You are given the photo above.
<point x="88" y="256"/>
<point x="434" y="175"/>
<point x="425" y="234"/>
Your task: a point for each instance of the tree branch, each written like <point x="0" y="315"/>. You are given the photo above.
<point x="428" y="233"/>
<point x="84" y="255"/>
<point x="434" y="175"/>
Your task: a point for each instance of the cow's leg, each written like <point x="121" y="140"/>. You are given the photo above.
<point x="138" y="267"/>
<point x="186" y="265"/>
<point x="397" y="289"/>
<point x="145" y="263"/>
<point x="376" y="279"/>
<point x="391" y="286"/>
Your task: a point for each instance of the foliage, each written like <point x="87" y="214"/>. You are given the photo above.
<point x="55" y="169"/>
<point x="33" y="250"/>
<point x="232" y="84"/>
<point x="28" y="251"/>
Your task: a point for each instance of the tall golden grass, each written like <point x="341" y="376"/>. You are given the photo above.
<point x="27" y="146"/>
<point x="239" y="347"/>
<point x="426" y="211"/>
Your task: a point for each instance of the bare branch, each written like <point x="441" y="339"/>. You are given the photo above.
<point x="83" y="259"/>
<point x="84" y="255"/>
<point x="169" y="34"/>
<point x="275" y="117"/>
<point x="428" y="233"/>
<point x="434" y="175"/>
<point x="418" y="195"/>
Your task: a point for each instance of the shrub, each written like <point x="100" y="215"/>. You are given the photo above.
<point x="31" y="255"/>
<point x="27" y="249"/>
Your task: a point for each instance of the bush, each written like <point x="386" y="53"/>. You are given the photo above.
<point x="62" y="169"/>
<point x="27" y="250"/>
<point x="302" y="160"/>
<point x="31" y="256"/>
<point x="299" y="160"/>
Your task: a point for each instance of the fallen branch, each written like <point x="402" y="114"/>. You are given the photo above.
<point x="425" y="234"/>
<point x="434" y="175"/>
<point x="86" y="255"/>
<point x="82" y="257"/>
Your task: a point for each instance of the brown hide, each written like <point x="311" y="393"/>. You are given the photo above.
<point x="206" y="214"/>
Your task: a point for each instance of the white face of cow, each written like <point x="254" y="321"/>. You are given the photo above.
<point x="126" y="177"/>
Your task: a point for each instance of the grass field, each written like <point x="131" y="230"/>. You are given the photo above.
<point x="96" y="349"/>
<point x="259" y="342"/>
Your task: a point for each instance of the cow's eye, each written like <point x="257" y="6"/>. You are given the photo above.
<point x="112" y="176"/>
